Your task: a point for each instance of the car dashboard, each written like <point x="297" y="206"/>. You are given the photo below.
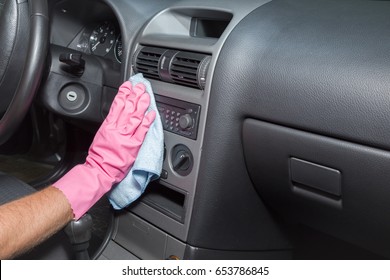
<point x="274" y="113"/>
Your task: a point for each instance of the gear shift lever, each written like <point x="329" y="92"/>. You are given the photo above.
<point x="79" y="233"/>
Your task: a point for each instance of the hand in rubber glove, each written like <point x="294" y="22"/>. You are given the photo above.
<point x="112" y="152"/>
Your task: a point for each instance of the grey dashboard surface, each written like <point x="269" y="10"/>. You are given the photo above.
<point x="317" y="66"/>
<point x="311" y="65"/>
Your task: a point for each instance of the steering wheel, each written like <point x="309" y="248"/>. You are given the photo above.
<point x="24" y="37"/>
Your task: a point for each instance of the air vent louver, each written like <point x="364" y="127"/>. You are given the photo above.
<point x="147" y="61"/>
<point x="179" y="67"/>
<point x="184" y="68"/>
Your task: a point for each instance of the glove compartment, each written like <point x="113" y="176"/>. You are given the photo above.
<point x="335" y="186"/>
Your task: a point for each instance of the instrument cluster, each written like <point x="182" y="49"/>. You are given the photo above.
<point x="102" y="39"/>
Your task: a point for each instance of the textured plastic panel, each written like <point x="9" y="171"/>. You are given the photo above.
<point x="144" y="240"/>
<point x="313" y="65"/>
<point x="115" y="252"/>
<point x="359" y="216"/>
<point x="140" y="238"/>
<point x="317" y="65"/>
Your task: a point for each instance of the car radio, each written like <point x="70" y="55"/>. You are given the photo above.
<point x="178" y="116"/>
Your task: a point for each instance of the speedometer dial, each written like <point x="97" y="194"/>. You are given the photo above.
<point x="102" y="39"/>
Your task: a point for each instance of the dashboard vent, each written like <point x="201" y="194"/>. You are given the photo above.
<point x="172" y="66"/>
<point x="147" y="61"/>
<point x="185" y="68"/>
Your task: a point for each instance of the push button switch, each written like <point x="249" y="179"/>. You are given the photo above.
<point x="164" y="174"/>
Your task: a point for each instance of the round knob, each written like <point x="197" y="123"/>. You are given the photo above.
<point x="185" y="121"/>
<point x="181" y="161"/>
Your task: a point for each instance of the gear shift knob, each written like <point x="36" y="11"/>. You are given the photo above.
<point x="79" y="233"/>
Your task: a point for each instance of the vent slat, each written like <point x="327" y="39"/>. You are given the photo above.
<point x="148" y="71"/>
<point x="181" y="75"/>
<point x="147" y="62"/>
<point x="184" y="70"/>
<point x="146" y="75"/>
<point x="185" y="64"/>
<point x="186" y="83"/>
<point x="149" y="57"/>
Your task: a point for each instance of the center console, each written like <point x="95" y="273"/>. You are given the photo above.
<point x="177" y="52"/>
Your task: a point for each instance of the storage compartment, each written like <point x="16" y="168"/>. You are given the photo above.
<point x="168" y="201"/>
<point x="337" y="187"/>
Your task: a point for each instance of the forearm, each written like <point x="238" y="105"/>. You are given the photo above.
<point x="29" y="221"/>
<point x="26" y="222"/>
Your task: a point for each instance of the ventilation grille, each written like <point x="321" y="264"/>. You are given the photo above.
<point x="147" y="60"/>
<point x="173" y="66"/>
<point x="184" y="68"/>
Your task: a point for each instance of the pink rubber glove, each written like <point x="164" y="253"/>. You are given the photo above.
<point x="112" y="152"/>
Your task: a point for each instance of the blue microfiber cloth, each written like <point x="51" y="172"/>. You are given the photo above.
<point x="148" y="164"/>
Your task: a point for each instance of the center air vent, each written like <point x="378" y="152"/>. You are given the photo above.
<point x="173" y="66"/>
<point x="187" y="69"/>
<point x="147" y="62"/>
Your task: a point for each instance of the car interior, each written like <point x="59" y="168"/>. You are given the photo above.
<point x="276" y="118"/>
